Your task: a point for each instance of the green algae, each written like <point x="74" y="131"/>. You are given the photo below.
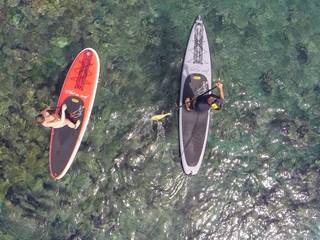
<point x="126" y="181"/>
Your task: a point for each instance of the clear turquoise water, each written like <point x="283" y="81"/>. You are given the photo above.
<point x="260" y="175"/>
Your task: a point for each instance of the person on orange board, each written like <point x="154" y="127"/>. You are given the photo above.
<point x="48" y="118"/>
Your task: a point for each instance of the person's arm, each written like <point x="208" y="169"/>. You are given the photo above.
<point x="57" y="122"/>
<point x="63" y="113"/>
<point x="221" y="89"/>
<point x="61" y="119"/>
<point x="45" y="110"/>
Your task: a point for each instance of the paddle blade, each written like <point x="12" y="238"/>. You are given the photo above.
<point x="160" y="116"/>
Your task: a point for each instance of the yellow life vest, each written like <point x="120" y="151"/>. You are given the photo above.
<point x="215" y="106"/>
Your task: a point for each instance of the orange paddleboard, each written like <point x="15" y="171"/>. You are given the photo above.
<point x="78" y="93"/>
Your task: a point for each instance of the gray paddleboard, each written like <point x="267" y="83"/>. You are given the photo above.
<point x="195" y="79"/>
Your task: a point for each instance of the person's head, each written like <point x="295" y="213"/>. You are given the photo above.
<point x="211" y="100"/>
<point x="40" y="118"/>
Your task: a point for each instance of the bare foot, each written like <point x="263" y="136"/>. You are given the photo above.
<point x="187" y="103"/>
<point x="77" y="124"/>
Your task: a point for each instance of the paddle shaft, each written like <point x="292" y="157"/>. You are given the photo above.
<point x="194" y="98"/>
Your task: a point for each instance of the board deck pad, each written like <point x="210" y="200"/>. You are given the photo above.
<point x="78" y="93"/>
<point x="195" y="84"/>
<point x="194" y="122"/>
<point x="65" y="138"/>
<point x="195" y="80"/>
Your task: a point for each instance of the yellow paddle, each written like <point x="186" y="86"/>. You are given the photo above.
<point x="161" y="116"/>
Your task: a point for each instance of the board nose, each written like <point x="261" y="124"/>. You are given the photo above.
<point x="199" y="19"/>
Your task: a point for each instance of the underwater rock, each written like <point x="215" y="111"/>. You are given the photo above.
<point x="302" y="130"/>
<point x="49" y="186"/>
<point x="283" y="125"/>
<point x="316" y="91"/>
<point x="60" y="42"/>
<point x="12" y="196"/>
<point x="136" y="161"/>
<point x="218" y="23"/>
<point x="249" y="120"/>
<point x="25" y="2"/>
<point x="302" y="54"/>
<point x="240" y="21"/>
<point x="16" y="19"/>
<point x="266" y="82"/>
<point x="13" y="3"/>
<point x="250" y="30"/>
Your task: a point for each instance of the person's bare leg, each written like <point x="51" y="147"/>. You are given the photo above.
<point x="187" y="103"/>
<point x="63" y="113"/>
<point x="67" y="121"/>
<point x="70" y="124"/>
<point x="78" y="124"/>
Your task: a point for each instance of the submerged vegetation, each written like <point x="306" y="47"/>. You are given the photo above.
<point x="260" y="176"/>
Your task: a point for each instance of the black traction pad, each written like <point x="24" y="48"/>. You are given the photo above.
<point x="65" y="139"/>
<point x="194" y="123"/>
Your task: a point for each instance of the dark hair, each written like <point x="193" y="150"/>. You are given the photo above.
<point x="39" y="118"/>
<point x="51" y="111"/>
